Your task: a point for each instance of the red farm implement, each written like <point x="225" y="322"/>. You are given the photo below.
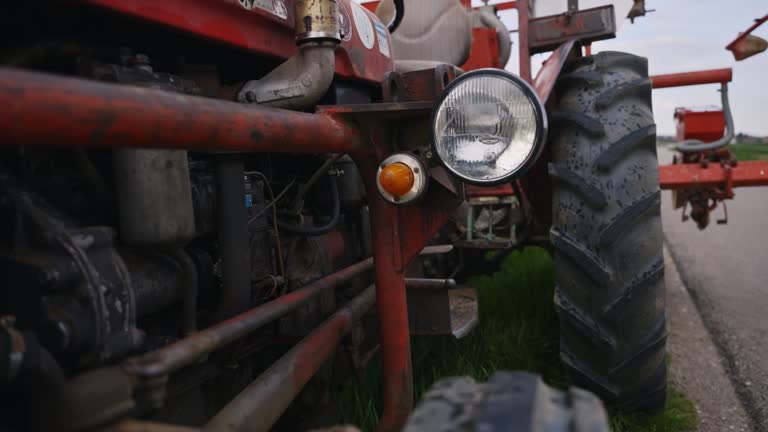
<point x="705" y="171"/>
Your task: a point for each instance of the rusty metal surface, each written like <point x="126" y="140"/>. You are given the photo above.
<point x="440" y="307"/>
<point x="547" y="76"/>
<point x="52" y="111"/>
<point x="399" y="233"/>
<point x="505" y="5"/>
<point x="192" y="348"/>
<point x="465" y="313"/>
<point x="146" y="426"/>
<point x="257" y="30"/>
<point x="381" y="111"/>
<point x="712" y="76"/>
<point x="695" y="176"/>
<point x="499" y="190"/>
<point x="524" y="50"/>
<point x="316" y="19"/>
<point x="421" y="85"/>
<point x="259" y="406"/>
<point x="429" y="284"/>
<point x="391" y="302"/>
<point x="587" y="25"/>
<point x="429" y="311"/>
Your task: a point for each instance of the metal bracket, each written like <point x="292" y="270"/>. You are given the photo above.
<point x="588" y="25"/>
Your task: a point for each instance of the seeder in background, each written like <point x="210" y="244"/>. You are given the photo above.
<point x="704" y="171"/>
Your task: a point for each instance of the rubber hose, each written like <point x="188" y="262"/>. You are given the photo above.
<point x="312" y="179"/>
<point x="318" y="230"/>
<point x="693" y="146"/>
<point x="398" y="18"/>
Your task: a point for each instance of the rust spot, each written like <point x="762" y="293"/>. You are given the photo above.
<point x="257" y="136"/>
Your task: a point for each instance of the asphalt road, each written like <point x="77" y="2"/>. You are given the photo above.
<point x="725" y="269"/>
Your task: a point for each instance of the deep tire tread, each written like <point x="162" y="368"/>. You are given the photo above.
<point x="610" y="60"/>
<point x="592" y="331"/>
<point x="647" y="278"/>
<point x="591" y="193"/>
<point x="565" y="118"/>
<point x="628" y="216"/>
<point x="656" y="340"/>
<point x="636" y="88"/>
<point x="586" y="78"/>
<point x="580" y="255"/>
<point x="645" y="136"/>
<point x="608" y="257"/>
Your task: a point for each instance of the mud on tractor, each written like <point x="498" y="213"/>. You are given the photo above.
<point x="211" y="207"/>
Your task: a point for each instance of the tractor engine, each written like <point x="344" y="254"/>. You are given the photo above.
<point x="119" y="252"/>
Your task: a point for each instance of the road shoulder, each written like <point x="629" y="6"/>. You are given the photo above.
<point x="696" y="367"/>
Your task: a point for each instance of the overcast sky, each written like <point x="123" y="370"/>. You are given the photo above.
<point x="685" y="35"/>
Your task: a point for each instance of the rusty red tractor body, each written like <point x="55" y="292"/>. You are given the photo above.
<point x="195" y="229"/>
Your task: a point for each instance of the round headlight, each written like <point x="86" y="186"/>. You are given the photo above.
<point x="488" y="126"/>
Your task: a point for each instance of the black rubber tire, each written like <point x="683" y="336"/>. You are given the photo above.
<point x="606" y="231"/>
<point x="508" y="402"/>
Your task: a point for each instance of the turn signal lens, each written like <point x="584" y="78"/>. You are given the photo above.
<point x="402" y="179"/>
<point x="397" y="179"/>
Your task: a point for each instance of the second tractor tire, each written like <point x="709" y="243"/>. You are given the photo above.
<point x="606" y="231"/>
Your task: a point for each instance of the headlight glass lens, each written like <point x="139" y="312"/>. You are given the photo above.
<point x="486" y="128"/>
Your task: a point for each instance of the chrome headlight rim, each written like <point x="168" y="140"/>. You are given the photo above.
<point x="541" y="125"/>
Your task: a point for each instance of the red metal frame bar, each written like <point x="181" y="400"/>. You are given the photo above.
<point x="694" y="176"/>
<point x="398" y="233"/>
<point x="547" y="76"/>
<point x="261" y="404"/>
<point x="68" y="112"/>
<point x="523" y="16"/>
<point x="505" y="5"/>
<point x="712" y="76"/>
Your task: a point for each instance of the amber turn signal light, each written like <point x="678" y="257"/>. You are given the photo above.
<point x="396" y="179"/>
<point x="402" y="179"/>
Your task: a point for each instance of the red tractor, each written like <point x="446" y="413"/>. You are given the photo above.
<point x="203" y="200"/>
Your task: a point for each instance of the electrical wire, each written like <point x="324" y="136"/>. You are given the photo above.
<point x="271" y="204"/>
<point x="274" y="199"/>
<point x="319" y="230"/>
<point x="296" y="203"/>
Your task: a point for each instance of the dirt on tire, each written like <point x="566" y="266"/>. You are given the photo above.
<point x="606" y="231"/>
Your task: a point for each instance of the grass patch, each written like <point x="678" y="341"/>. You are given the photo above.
<point x="680" y="415"/>
<point x="518" y="330"/>
<point x="754" y="151"/>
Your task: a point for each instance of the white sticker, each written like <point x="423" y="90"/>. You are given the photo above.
<point x="275" y="7"/>
<point x="382" y="34"/>
<point x="364" y="26"/>
<point x="345" y="22"/>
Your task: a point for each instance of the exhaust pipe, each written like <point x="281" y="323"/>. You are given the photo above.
<point x="303" y="79"/>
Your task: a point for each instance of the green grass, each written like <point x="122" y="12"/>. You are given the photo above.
<point x="518" y="330"/>
<point x="754" y="151"/>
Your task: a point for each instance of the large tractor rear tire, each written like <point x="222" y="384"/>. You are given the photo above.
<point x="606" y="231"/>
